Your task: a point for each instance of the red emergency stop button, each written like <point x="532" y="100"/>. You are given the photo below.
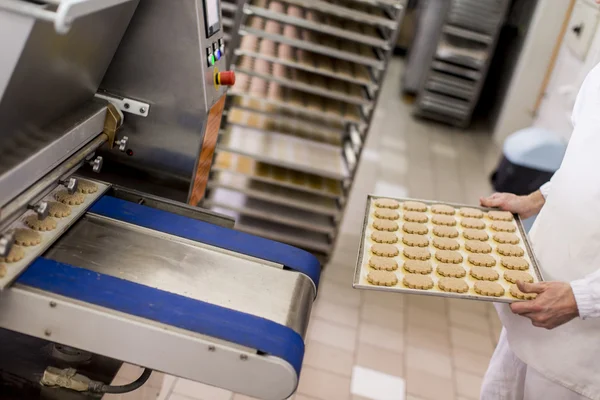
<point x="226" y="78"/>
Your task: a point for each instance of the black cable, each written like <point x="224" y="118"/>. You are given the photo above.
<point x="99" y="387"/>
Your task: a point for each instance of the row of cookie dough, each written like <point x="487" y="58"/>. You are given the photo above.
<point x="478" y="258"/>
<point x="445" y="227"/>
<point x="471" y="236"/>
<point x="443" y="209"/>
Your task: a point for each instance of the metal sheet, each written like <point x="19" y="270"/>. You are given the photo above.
<point x="187" y="268"/>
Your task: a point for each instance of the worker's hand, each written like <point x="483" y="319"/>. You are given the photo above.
<point x="554" y="305"/>
<point x="525" y="206"/>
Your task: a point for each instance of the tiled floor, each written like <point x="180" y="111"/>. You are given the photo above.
<point x="437" y="348"/>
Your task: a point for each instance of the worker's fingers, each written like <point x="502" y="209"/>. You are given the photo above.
<point x="530" y="287"/>
<point x="526" y="308"/>
<point x="492" y="201"/>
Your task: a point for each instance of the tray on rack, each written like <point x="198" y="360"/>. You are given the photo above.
<point x="366" y="243"/>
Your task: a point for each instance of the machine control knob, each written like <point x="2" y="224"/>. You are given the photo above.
<point x="96" y="164"/>
<point x="226" y="78"/>
<point x="41" y="209"/>
<point x="122" y="143"/>
<point x="6" y="243"/>
<point x="71" y="185"/>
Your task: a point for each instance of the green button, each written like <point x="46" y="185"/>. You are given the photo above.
<point x="211" y="60"/>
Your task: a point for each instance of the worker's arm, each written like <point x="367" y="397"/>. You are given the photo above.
<point x="587" y="295"/>
<point x="525" y="206"/>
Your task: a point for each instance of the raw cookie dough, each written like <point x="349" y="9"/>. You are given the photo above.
<point x="416" y="253"/>
<point x="415" y="240"/>
<point x="476" y="234"/>
<point x="46" y="224"/>
<point x="516" y="263"/>
<point x="470" y="212"/>
<point x="503" y="226"/>
<point x="385" y="225"/>
<point x="58" y="210"/>
<point x="384" y="250"/>
<point x="514" y="276"/>
<point x="415" y="206"/>
<point x="455" y="285"/>
<point x="387" y="203"/>
<point x="413" y="216"/>
<point x="472" y="223"/>
<point x="445" y="243"/>
<point x="27" y="237"/>
<point x="445" y="231"/>
<point x="443" y="220"/>
<point x="15" y="254"/>
<point x="487" y="288"/>
<point x="449" y="256"/>
<point x="505" y="237"/>
<point x="74" y="199"/>
<point x="484" y="273"/>
<point x="386" y="213"/>
<point x="86" y="186"/>
<point x="451" y="270"/>
<point x="2" y="270"/>
<point x="443" y="209"/>
<point x="510" y="250"/>
<point x="477" y="246"/>
<point x="383" y="263"/>
<point x="515" y="292"/>
<point x="500" y="215"/>
<point x="384" y="237"/>
<point x="482" y="260"/>
<point x="417" y="281"/>
<point x="415" y="228"/>
<point x="418" y="267"/>
<point x="382" y="278"/>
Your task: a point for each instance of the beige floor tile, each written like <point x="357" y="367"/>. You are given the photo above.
<point x="468" y="385"/>
<point x="433" y="362"/>
<point x="338" y="275"/>
<point x="199" y="390"/>
<point x="425" y="338"/>
<point x="469" y="320"/>
<point x="327" y="358"/>
<point x="333" y="312"/>
<point x="334" y="335"/>
<point x="355" y="397"/>
<point x="434" y="304"/>
<point x="176" y="396"/>
<point x="475" y="307"/>
<point x="394" y="301"/>
<point x="469" y="361"/>
<point x="385" y="317"/>
<point x="411" y="397"/>
<point x="474" y="341"/>
<point x="343" y="295"/>
<point x="167" y="387"/>
<point x="378" y="336"/>
<point x="428" y="386"/>
<point x="496" y="335"/>
<point x="146" y="392"/>
<point x="380" y="359"/>
<point x="426" y="318"/>
<point x="323" y="385"/>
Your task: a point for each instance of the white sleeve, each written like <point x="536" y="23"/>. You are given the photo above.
<point x="587" y="295"/>
<point x="545" y="188"/>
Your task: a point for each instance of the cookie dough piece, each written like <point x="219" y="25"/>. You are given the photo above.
<point x="27" y="237"/>
<point x="416" y="253"/>
<point x="418" y="267"/>
<point x="516" y="292"/>
<point x="385" y="225"/>
<point x="384" y="250"/>
<point x="505" y="237"/>
<point x="443" y="209"/>
<point x="413" y="216"/>
<point x="472" y="223"/>
<point x="386" y="213"/>
<point x="383" y="263"/>
<point x="510" y="250"/>
<point x="451" y="270"/>
<point x="514" y="276"/>
<point x="15" y="254"/>
<point x="415" y="240"/>
<point x="74" y="199"/>
<point x="2" y="270"/>
<point x="46" y="224"/>
<point x="445" y="244"/>
<point x="384" y="237"/>
<point x="470" y="212"/>
<point x="503" y="226"/>
<point x="445" y="231"/>
<point x="500" y="215"/>
<point x="382" y="278"/>
<point x="415" y="228"/>
<point x="417" y="281"/>
<point x="515" y="263"/>
<point x="477" y="246"/>
<point x="455" y="285"/>
<point x="449" y="256"/>
<point x="86" y="186"/>
<point x="484" y="273"/>
<point x="487" y="288"/>
<point x="415" y="206"/>
<point x="482" y="260"/>
<point x="58" y="210"/>
<point x="476" y="234"/>
<point x="387" y="203"/>
<point x="446" y="220"/>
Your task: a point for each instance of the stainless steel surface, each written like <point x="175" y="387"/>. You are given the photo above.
<point x="96" y="163"/>
<point x="71" y="185"/>
<point x="41" y="209"/>
<point x="7" y="240"/>
<point x="187" y="268"/>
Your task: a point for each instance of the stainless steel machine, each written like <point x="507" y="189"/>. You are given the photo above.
<point x="109" y="117"/>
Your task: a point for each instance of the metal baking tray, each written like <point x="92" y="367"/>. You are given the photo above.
<point x="362" y="268"/>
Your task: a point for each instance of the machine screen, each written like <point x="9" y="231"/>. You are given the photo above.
<point x="211" y="15"/>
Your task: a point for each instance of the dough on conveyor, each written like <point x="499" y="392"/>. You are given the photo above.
<point x="74" y="199"/>
<point x="58" y="210"/>
<point x="15" y="254"/>
<point x="27" y="237"/>
<point x="46" y="224"/>
<point x="86" y="187"/>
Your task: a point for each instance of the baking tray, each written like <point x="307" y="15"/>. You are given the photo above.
<point x="360" y="281"/>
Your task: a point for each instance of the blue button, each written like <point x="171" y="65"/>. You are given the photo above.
<point x="218" y="54"/>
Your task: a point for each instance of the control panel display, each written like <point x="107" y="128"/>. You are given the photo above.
<point x="212" y="17"/>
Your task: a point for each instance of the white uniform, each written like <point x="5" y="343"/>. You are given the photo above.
<point x="563" y="363"/>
